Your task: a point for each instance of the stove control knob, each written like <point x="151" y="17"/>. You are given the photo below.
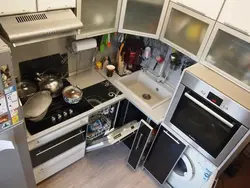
<point x="70" y="111"/>
<point x="65" y="114"/>
<point x="59" y="116"/>
<point x="53" y="119"/>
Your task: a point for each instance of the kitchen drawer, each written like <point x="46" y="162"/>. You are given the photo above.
<point x="58" y="163"/>
<point x="57" y="146"/>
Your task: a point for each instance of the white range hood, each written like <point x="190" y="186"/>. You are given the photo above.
<point x="30" y="28"/>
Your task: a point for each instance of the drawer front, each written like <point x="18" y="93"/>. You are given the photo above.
<point x="58" y="163"/>
<point x="58" y="146"/>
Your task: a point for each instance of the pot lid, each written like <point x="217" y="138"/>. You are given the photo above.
<point x="26" y="88"/>
<point x="29" y="28"/>
<point x="37" y="104"/>
<point x="72" y="92"/>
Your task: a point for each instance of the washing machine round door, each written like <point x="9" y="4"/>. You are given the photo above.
<point x="183" y="169"/>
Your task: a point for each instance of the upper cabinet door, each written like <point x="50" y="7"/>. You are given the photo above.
<point x="186" y="30"/>
<point x="228" y="53"/>
<point x="44" y="5"/>
<point x="98" y="17"/>
<point x="143" y="17"/>
<point x="234" y="15"/>
<point x="17" y="7"/>
<point x="209" y="8"/>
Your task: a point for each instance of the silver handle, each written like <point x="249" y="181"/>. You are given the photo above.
<point x="139" y="141"/>
<point x="209" y="110"/>
<point x="191" y="9"/>
<point x="40" y="153"/>
<point x="171" y="137"/>
<point x="235" y="28"/>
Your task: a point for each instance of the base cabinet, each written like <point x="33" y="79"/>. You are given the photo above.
<point x="165" y="152"/>
<point x="140" y="144"/>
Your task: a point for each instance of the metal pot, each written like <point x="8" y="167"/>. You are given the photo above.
<point x="37" y="106"/>
<point x="51" y="83"/>
<point x="26" y="89"/>
<point x="72" y="94"/>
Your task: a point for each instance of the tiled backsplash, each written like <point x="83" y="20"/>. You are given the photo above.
<point x="41" y="49"/>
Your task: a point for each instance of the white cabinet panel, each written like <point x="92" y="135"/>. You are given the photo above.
<point x="186" y="30"/>
<point x="143" y="17"/>
<point x="17" y="6"/>
<point x="235" y="14"/>
<point x="55" y="4"/>
<point x="209" y="8"/>
<point x="98" y="17"/>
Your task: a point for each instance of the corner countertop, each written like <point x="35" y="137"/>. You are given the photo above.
<point x="82" y="80"/>
<point x="92" y="77"/>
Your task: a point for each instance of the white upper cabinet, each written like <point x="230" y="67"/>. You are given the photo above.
<point x="44" y="5"/>
<point x="98" y="17"/>
<point x="17" y="6"/>
<point x="143" y="17"/>
<point x="186" y="30"/>
<point x="209" y="8"/>
<point x="228" y="53"/>
<point x="235" y="14"/>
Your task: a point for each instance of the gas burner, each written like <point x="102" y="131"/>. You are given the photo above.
<point x="100" y="93"/>
<point x="95" y="100"/>
<point x="58" y="112"/>
<point x="107" y="83"/>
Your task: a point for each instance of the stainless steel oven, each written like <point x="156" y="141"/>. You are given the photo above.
<point x="207" y="119"/>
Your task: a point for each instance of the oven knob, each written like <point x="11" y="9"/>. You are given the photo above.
<point x="65" y="114"/>
<point x="70" y="111"/>
<point x="59" y="116"/>
<point x="53" y="119"/>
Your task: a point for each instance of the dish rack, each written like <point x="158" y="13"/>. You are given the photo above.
<point x="103" y="124"/>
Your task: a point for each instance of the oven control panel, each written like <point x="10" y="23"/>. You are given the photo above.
<point x="214" y="99"/>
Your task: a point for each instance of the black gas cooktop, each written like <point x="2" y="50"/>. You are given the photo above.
<point x="60" y="111"/>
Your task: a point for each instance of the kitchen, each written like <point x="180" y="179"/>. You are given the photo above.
<point x="145" y="107"/>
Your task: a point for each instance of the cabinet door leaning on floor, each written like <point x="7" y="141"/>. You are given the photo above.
<point x="140" y="144"/>
<point x="165" y="152"/>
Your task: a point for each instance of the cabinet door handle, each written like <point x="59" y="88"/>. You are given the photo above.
<point x="237" y="29"/>
<point x="171" y="137"/>
<point x="191" y="9"/>
<point x="139" y="141"/>
<point x="204" y="107"/>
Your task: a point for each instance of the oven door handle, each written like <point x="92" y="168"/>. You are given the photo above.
<point x="58" y="144"/>
<point x="209" y="110"/>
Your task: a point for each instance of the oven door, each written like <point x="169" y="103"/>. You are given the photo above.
<point x="58" y="146"/>
<point x="206" y="127"/>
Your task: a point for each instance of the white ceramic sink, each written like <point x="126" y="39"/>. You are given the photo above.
<point x="149" y="91"/>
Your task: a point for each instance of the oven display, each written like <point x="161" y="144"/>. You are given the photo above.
<point x="215" y="99"/>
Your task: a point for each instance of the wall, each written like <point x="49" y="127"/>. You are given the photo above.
<point x="41" y="49"/>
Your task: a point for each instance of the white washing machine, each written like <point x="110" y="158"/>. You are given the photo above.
<point x="192" y="171"/>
